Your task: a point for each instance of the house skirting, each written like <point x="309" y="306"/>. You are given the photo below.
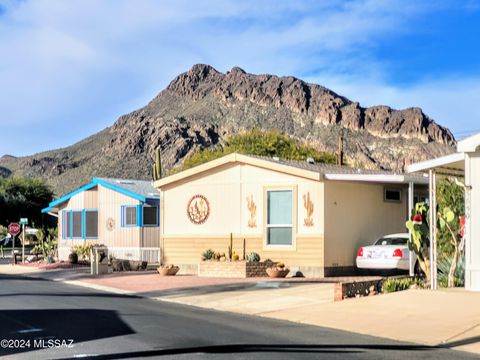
<point x="151" y="255"/>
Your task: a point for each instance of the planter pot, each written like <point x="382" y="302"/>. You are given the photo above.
<point x="276" y="273"/>
<point x="168" y="271"/>
<point x="135" y="265"/>
<point x="117" y="265"/>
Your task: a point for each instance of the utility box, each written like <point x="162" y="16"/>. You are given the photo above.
<point x="99" y="260"/>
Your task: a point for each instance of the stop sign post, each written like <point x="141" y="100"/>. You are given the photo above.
<point x="14" y="230"/>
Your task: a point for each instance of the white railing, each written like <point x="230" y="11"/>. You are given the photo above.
<point x="151" y="255"/>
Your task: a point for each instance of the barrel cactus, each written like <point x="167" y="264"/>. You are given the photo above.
<point x="253" y="257"/>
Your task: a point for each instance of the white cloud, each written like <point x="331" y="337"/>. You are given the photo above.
<point x="75" y="65"/>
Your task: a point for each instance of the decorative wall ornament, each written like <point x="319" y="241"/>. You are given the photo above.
<point x="110" y="224"/>
<point x="198" y="209"/>
<point x="252" y="208"/>
<point x="308" y="204"/>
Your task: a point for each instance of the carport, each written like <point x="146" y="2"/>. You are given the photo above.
<point x="465" y="163"/>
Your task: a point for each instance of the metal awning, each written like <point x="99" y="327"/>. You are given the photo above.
<point x="450" y="165"/>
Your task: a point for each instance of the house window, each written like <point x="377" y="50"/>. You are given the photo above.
<point x="130" y="216"/>
<point x="66" y="225"/>
<point x="91" y="224"/>
<point x="394" y="195"/>
<point x="76" y="226"/>
<point x="280" y="217"/>
<point x="150" y="215"/>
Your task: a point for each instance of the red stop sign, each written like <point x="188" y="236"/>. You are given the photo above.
<point x="14" y="229"/>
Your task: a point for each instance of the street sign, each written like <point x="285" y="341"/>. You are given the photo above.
<point x="14" y="229"/>
<point x="23" y="221"/>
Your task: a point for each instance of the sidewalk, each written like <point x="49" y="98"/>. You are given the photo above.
<point x="448" y="318"/>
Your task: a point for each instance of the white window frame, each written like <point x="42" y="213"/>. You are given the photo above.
<point x="292" y="245"/>
<point x="125" y="216"/>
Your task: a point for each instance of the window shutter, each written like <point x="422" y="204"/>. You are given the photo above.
<point x="139" y="216"/>
<point x="122" y="214"/>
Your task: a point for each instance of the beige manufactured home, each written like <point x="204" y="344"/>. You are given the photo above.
<point x="311" y="216"/>
<point x="121" y="214"/>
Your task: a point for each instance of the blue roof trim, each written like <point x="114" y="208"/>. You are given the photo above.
<point x="95" y="182"/>
<point x="68" y="196"/>
<point x="119" y="190"/>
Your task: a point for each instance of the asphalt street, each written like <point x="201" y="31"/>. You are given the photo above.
<point x="42" y="319"/>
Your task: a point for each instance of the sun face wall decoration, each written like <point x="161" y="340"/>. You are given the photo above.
<point x="198" y="209"/>
<point x="110" y="224"/>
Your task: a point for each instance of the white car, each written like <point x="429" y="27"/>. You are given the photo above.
<point x="390" y="252"/>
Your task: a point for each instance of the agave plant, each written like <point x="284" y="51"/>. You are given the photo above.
<point x="208" y="254"/>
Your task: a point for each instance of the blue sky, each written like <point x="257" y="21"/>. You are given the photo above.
<point x="70" y="68"/>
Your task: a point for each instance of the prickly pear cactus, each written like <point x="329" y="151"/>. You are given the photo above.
<point x="419" y="233"/>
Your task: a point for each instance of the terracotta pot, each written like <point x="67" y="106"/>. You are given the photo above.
<point x="276" y="273"/>
<point x="168" y="271"/>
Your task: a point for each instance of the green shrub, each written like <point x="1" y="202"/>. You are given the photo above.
<point x="255" y="142"/>
<point x="83" y="251"/>
<point x="400" y="284"/>
<point x="443" y="267"/>
<point x="208" y="254"/>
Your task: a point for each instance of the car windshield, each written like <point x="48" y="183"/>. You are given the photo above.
<point x="391" y="241"/>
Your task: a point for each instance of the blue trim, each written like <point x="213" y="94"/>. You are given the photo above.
<point x="84" y="229"/>
<point x="119" y="189"/>
<point x="68" y="196"/>
<point x="95" y="182"/>
<point x="124" y="220"/>
<point x="139" y="215"/>
<point x="122" y="216"/>
<point x="154" y="200"/>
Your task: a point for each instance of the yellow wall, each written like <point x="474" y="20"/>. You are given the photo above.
<point x="227" y="188"/>
<point x="356" y="215"/>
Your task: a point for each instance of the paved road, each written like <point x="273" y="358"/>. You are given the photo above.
<point x="42" y="318"/>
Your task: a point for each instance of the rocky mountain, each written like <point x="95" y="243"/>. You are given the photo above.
<point x="203" y="106"/>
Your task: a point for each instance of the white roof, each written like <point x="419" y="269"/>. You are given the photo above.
<point x="469" y="144"/>
<point x="449" y="164"/>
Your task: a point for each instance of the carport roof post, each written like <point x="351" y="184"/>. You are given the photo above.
<point x="458" y="165"/>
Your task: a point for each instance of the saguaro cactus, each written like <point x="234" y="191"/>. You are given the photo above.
<point x="157" y="166"/>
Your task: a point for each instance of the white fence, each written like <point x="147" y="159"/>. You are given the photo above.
<point x="151" y="255"/>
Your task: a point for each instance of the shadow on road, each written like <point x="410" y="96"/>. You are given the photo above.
<point x="58" y="324"/>
<point x="260" y="348"/>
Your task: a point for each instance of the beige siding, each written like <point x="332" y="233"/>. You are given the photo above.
<point x="91" y="199"/>
<point x="108" y="203"/>
<point x="109" y="207"/>
<point x="227" y="188"/>
<point x="356" y="214"/>
<point x="151" y="237"/>
<point x="309" y="250"/>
